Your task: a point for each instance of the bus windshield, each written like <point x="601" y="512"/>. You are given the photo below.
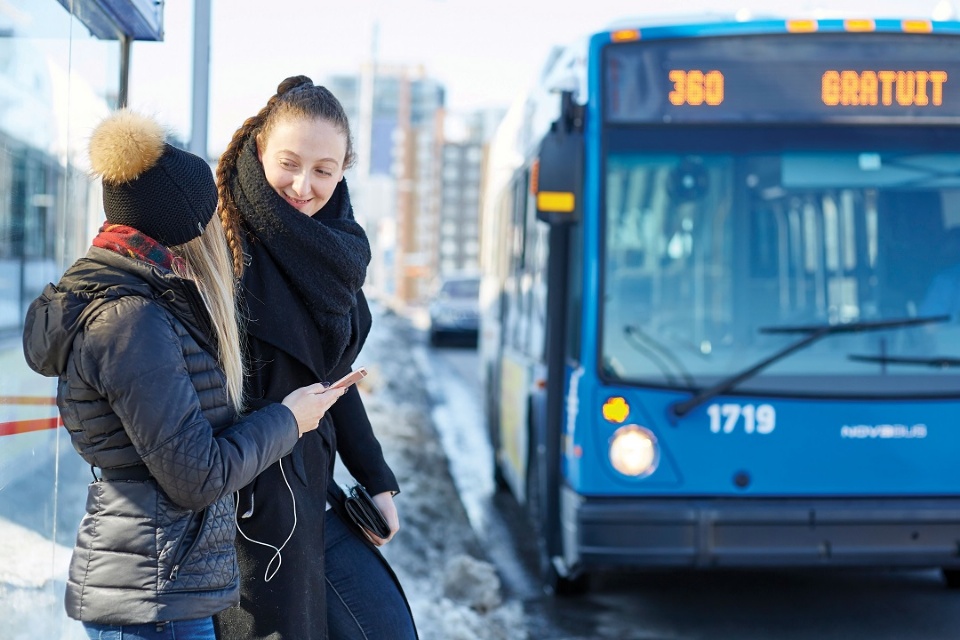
<point x="722" y="244"/>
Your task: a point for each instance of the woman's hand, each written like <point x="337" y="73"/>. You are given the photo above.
<point x="309" y="404"/>
<point x="384" y="502"/>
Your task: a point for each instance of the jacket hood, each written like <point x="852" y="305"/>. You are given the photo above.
<point x="55" y="318"/>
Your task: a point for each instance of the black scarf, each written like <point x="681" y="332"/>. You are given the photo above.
<point x="322" y="260"/>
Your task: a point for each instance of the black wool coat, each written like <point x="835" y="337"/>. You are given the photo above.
<point x="292" y="604"/>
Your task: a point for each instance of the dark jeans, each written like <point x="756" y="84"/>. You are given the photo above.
<point x="199" y="629"/>
<point x="363" y="600"/>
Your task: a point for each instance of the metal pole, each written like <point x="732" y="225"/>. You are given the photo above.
<point x="124" y="89"/>
<point x="201" y="78"/>
<point x="368" y="83"/>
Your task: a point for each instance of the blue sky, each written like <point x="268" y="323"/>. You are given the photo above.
<point x="485" y="51"/>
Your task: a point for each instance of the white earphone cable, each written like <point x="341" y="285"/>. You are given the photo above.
<point x="268" y="574"/>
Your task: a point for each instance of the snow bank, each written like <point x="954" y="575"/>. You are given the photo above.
<point x="455" y="593"/>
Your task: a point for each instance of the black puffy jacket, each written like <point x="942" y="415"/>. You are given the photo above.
<point x="140" y="386"/>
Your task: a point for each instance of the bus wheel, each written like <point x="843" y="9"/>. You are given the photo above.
<point x="951" y="577"/>
<point x="500" y="484"/>
<point x="554" y="583"/>
<point x="493" y="435"/>
<point x="565" y="586"/>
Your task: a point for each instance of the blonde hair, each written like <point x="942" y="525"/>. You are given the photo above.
<point x="207" y="261"/>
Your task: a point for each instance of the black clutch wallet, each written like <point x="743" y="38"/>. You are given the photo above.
<point x="364" y="512"/>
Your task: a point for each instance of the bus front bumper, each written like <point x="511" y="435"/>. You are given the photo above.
<point x="761" y="532"/>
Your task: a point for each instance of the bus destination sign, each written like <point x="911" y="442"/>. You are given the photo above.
<point x="788" y="78"/>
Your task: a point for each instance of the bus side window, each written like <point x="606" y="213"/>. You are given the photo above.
<point x="501" y="258"/>
<point x="515" y="317"/>
<point x="535" y="280"/>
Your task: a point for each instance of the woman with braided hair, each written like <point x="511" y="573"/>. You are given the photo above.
<point x="300" y="257"/>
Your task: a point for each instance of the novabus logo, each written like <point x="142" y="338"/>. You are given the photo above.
<point x="883" y="431"/>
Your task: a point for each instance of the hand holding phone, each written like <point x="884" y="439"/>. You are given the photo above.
<point x="350" y="378"/>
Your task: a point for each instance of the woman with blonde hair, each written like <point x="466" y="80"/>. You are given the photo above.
<point x="142" y="334"/>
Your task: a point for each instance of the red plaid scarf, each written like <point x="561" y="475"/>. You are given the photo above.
<point x="129" y="242"/>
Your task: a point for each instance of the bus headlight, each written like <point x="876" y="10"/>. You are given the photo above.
<point x="634" y="451"/>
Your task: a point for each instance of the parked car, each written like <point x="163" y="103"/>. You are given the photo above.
<point x="455" y="310"/>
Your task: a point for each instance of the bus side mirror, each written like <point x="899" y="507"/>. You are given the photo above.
<point x="559" y="177"/>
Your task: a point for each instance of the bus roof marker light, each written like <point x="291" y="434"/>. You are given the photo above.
<point x="634" y="451"/>
<point x="802" y="26"/>
<point x="917" y="26"/>
<point x="859" y="25"/>
<point x="625" y="35"/>
<point x="616" y="409"/>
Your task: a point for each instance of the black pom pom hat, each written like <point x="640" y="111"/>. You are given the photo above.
<point x="164" y="192"/>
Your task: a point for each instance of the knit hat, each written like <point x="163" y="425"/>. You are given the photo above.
<point x="159" y="190"/>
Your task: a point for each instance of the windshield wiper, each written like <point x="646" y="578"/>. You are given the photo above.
<point x="937" y="362"/>
<point x="814" y="332"/>
<point x="658" y="354"/>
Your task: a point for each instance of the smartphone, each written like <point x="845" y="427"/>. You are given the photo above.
<point x="350" y="378"/>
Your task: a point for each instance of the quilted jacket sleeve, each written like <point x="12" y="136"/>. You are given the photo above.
<point x="134" y="356"/>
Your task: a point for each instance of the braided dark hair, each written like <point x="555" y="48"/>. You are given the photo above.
<point x="296" y="97"/>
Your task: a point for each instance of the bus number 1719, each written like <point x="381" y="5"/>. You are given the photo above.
<point x="724" y="418"/>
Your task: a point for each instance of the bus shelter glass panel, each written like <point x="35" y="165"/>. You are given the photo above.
<point x="56" y="82"/>
<point x="723" y="255"/>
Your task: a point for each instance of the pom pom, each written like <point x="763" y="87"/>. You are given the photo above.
<point x="125" y="145"/>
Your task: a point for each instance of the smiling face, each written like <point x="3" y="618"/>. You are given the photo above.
<point x="303" y="160"/>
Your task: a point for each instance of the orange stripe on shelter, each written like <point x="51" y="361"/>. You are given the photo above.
<point x="26" y="426"/>
<point x="31" y="400"/>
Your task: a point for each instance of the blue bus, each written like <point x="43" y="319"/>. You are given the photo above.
<point x="720" y="320"/>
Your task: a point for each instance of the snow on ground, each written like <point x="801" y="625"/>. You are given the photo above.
<point x="454" y="591"/>
<point x="32" y="571"/>
<point x="27" y="559"/>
